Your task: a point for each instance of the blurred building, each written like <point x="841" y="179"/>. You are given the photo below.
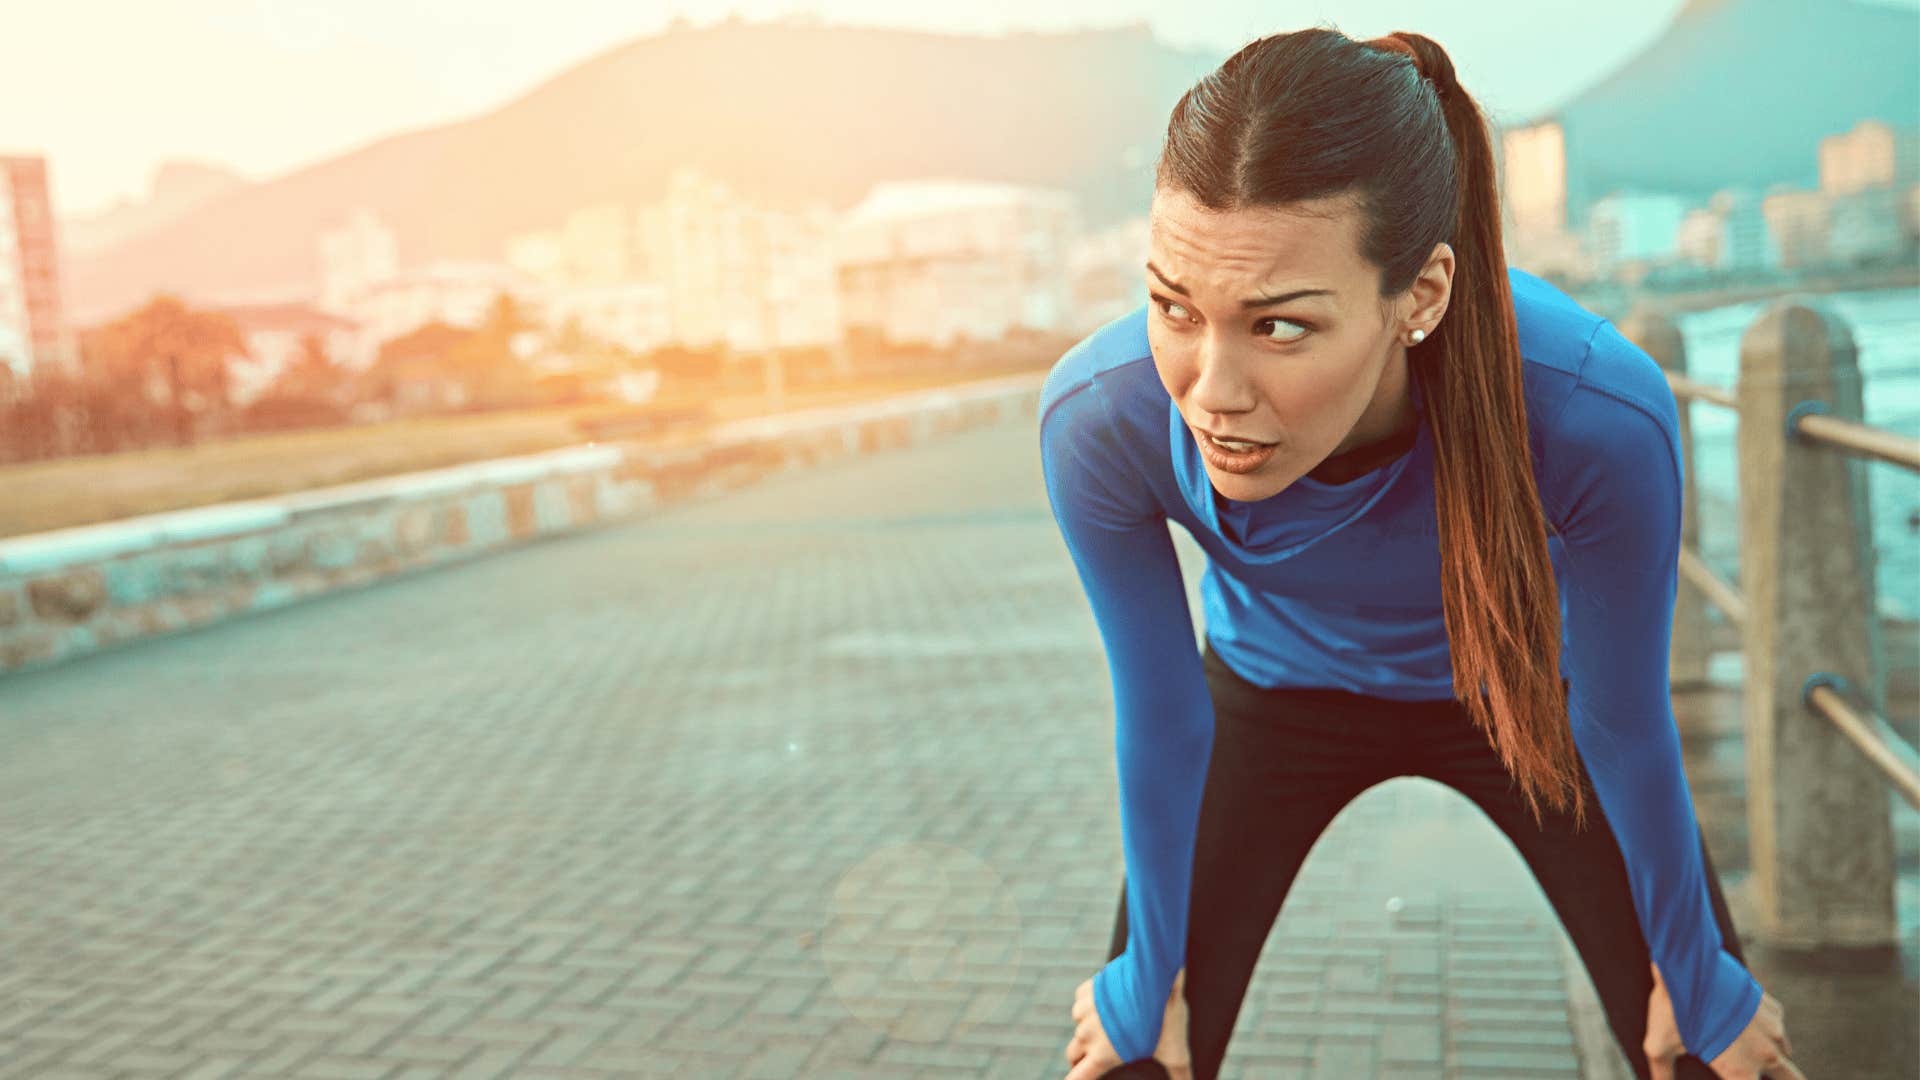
<point x="1729" y="234"/>
<point x="541" y="255"/>
<point x="693" y="241"/>
<point x="929" y="261"/>
<point x="1634" y="227"/>
<point x="1745" y="241"/>
<point x="1106" y="271"/>
<point x="1874" y="154"/>
<point x="1535" y="224"/>
<point x="458" y="293"/>
<point x="1801" y="223"/>
<point x="630" y="314"/>
<point x="1533" y="162"/>
<point x="1870" y="175"/>
<point x="595" y="245"/>
<point x="1864" y="226"/>
<point x="275" y="336"/>
<point x="33" y="328"/>
<point x="355" y="258"/>
<point x="1698" y="239"/>
<point x="802" y="298"/>
<point x="738" y="275"/>
<point x="1708" y="103"/>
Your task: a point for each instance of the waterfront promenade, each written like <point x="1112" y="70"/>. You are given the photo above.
<point x="812" y="779"/>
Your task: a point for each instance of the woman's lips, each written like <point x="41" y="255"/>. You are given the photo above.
<point x="1233" y="461"/>
<point x="1230" y="438"/>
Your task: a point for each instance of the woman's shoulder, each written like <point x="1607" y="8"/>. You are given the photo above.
<point x="1103" y="420"/>
<point x="1585" y="379"/>
<point x="1104" y="369"/>
<point x="1554" y="328"/>
<point x="1600" y="411"/>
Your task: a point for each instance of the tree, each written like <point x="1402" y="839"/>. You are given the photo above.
<point x="485" y="361"/>
<point x="442" y="366"/>
<point x="412" y="369"/>
<point x="313" y="376"/>
<point x="505" y="318"/>
<point x="308" y="393"/>
<point x="169" y="351"/>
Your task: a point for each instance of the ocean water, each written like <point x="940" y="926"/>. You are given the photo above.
<point x="1886" y="331"/>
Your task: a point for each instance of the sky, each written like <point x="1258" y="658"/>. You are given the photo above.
<point x="108" y="89"/>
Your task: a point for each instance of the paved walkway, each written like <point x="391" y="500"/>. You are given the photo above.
<point x="809" y="781"/>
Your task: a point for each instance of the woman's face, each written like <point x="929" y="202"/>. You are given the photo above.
<point x="1266" y="324"/>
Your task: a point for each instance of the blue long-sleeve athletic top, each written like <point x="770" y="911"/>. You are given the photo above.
<point x="1338" y="585"/>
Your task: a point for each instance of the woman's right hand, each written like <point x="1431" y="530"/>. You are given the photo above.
<point x="1171" y="1051"/>
<point x="1762" y="1051"/>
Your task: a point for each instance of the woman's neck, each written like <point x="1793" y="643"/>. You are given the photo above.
<point x="1385" y="431"/>
<point x="1360" y="460"/>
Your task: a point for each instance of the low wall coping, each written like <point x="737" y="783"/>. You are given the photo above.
<point x="56" y="549"/>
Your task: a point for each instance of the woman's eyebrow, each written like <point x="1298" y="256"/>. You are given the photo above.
<point x="1245" y="305"/>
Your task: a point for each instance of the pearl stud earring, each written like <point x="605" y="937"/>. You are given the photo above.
<point x="1419" y="336"/>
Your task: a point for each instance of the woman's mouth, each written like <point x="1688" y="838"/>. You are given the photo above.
<point x="1234" y="456"/>
<point x="1237" y="445"/>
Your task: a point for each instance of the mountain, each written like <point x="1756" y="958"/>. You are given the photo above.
<point x="785" y="113"/>
<point x="177" y="187"/>
<point x="1733" y="92"/>
<point x="1739" y="93"/>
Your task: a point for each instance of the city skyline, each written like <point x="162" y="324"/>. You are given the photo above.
<point x="1668" y="213"/>
<point x="104" y="149"/>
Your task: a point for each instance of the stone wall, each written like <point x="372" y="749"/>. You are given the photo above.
<point x="74" y="591"/>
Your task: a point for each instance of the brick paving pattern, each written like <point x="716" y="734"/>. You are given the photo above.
<point x="813" y="780"/>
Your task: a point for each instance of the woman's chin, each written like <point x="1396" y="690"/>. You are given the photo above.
<point x="1248" y="487"/>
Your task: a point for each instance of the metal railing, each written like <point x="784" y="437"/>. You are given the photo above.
<point x="1818" y="815"/>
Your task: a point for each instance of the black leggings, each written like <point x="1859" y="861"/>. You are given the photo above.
<point x="1286" y="761"/>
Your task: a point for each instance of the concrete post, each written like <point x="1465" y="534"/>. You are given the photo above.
<point x="1650" y="329"/>
<point x="1818" y="814"/>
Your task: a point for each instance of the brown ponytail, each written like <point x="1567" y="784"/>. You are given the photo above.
<point x="1314" y="113"/>
<point x="1502" y="607"/>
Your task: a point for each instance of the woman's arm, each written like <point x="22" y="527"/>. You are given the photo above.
<point x="1163" y="713"/>
<point x="1619" y="453"/>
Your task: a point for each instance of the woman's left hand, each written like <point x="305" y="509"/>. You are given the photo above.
<point x="1663" y="1044"/>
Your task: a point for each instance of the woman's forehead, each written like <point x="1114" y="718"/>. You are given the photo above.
<point x="1305" y="246"/>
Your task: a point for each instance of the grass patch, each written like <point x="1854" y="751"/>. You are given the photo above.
<point x="39" y="496"/>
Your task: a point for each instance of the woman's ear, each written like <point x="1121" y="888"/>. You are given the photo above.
<point x="1433" y="288"/>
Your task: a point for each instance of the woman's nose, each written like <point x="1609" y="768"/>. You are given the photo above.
<point x="1219" y="386"/>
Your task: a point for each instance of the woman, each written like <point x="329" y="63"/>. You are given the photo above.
<point x="1411" y="470"/>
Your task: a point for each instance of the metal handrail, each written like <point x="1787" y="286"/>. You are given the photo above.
<point x="1687" y="390"/>
<point x="1724" y="596"/>
<point x="1874" y="737"/>
<point x="1863" y="440"/>
<point x="1883" y="746"/>
<point x="1785" y="426"/>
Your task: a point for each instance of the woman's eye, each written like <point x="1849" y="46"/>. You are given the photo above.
<point x="1178" y="312"/>
<point x="1285" y="322"/>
